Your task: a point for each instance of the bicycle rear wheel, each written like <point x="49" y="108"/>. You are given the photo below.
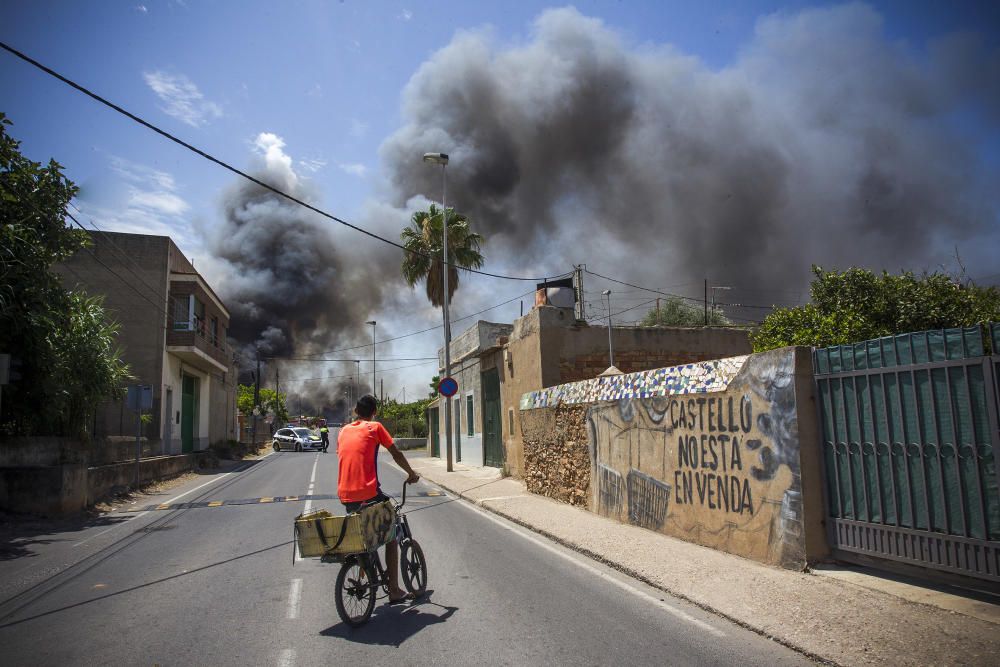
<point x="414" y="567"/>
<point x="355" y="593"/>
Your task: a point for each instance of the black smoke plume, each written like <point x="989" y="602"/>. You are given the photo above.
<point x="824" y="142"/>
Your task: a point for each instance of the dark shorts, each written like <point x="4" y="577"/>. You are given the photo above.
<point x="354" y="507"/>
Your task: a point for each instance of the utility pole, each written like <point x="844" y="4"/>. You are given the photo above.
<point x="256" y="402"/>
<point x="706" y="302"/>
<point x="579" y="291"/>
<point x="657" y="311"/>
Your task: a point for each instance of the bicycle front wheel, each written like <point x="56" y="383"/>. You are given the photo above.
<point x="355" y="593"/>
<point x="414" y="567"/>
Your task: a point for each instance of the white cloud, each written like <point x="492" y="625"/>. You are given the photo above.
<point x="355" y="169"/>
<point x="406" y="15"/>
<point x="142" y="9"/>
<point x="164" y="203"/>
<point x="315" y="91"/>
<point x="312" y="165"/>
<point x="151" y="204"/>
<point x="183" y="99"/>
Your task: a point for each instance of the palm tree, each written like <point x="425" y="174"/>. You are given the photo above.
<point x="422" y="240"/>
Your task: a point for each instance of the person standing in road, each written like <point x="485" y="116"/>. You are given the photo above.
<point x="357" y="483"/>
<point x="324" y="433"/>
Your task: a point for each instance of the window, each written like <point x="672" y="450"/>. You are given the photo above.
<point x="458" y="418"/>
<point x="198" y="315"/>
<point x="510" y="421"/>
<point x="181" y="313"/>
<point x="213" y="331"/>
<point x="468" y="415"/>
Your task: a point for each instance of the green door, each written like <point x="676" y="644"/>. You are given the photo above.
<point x="493" y="454"/>
<point x="187" y="414"/>
<point x="435" y="426"/>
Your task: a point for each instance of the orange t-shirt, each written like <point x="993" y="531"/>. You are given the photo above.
<point x="357" y="447"/>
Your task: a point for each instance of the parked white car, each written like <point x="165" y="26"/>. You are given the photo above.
<point x="298" y="439"/>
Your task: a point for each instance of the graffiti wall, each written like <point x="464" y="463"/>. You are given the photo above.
<point x="714" y="461"/>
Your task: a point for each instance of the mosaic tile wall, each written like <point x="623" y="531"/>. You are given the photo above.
<point x="697" y="378"/>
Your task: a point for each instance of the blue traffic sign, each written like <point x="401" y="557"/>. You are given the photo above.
<point x="448" y="387"/>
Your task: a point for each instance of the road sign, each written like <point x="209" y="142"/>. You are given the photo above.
<point x="140" y="397"/>
<point x="448" y="387"/>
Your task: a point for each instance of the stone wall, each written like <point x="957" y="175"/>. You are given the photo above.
<point x="710" y="453"/>
<point x="558" y="467"/>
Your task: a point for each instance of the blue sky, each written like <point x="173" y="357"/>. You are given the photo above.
<point x="328" y="78"/>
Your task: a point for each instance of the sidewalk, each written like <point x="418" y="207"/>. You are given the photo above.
<point x="841" y="617"/>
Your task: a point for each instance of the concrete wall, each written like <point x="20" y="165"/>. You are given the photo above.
<point x="736" y="469"/>
<point x="102" y="480"/>
<point x="58" y="476"/>
<point x="141" y="260"/>
<point x="548" y="346"/>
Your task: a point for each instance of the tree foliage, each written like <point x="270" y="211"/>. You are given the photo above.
<point x="271" y="402"/>
<point x="424" y="239"/>
<point x="677" y="312"/>
<point x="858" y="304"/>
<point x="404" y="419"/>
<point x="62" y="340"/>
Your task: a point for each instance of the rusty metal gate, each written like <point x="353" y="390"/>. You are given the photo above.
<point x="910" y="434"/>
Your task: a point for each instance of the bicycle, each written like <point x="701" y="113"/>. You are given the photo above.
<point x="362" y="574"/>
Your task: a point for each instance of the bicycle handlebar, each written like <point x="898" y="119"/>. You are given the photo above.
<point x="403" y="502"/>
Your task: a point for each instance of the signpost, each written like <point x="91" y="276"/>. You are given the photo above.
<point x="139" y="398"/>
<point x="448" y="387"/>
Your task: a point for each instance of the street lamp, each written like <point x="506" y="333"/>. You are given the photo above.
<point x="372" y="322"/>
<point x="442" y="159"/>
<point x="357" y="384"/>
<point x="611" y="350"/>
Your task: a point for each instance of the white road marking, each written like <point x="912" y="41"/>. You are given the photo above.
<point x="596" y="572"/>
<point x="312" y="484"/>
<point x="168" y="502"/>
<point x="287" y="658"/>
<point x="294" y="597"/>
<point x="308" y="504"/>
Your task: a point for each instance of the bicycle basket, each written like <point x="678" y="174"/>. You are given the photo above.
<point x="320" y="533"/>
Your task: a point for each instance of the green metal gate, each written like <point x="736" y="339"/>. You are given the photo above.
<point x="910" y="434"/>
<point x="493" y="454"/>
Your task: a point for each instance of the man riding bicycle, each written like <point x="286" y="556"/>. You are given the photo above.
<point x="358" y="485"/>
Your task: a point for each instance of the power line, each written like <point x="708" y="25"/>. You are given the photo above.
<point x="351" y="375"/>
<point x="238" y="172"/>
<point x="677" y="296"/>
<point x="434" y="328"/>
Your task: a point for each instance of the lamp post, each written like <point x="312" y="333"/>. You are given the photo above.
<point x="442" y="159"/>
<point x="372" y="322"/>
<point x="611" y="350"/>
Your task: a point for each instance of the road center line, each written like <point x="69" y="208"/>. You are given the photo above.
<point x="294" y="597"/>
<point x="287" y="658"/>
<point x="670" y="609"/>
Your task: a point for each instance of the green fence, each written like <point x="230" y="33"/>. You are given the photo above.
<point x="909" y="431"/>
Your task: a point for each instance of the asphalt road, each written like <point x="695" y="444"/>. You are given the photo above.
<point x="217" y="586"/>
